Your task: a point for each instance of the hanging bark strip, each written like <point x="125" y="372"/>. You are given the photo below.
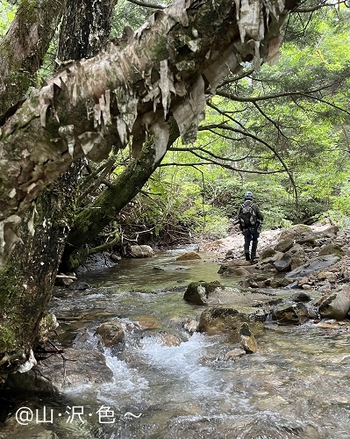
<point x="128" y="91"/>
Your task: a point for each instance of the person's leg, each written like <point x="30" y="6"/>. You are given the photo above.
<point x="254" y="245"/>
<point x="247" y="239"/>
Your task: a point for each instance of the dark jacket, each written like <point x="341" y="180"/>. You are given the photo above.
<point x="259" y="217"/>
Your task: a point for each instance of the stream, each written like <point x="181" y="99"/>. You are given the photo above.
<point x="295" y="386"/>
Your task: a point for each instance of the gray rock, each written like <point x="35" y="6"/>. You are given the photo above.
<point x="284" y="245"/>
<point x="313" y="265"/>
<point x="76" y="368"/>
<point x="198" y="292"/>
<point x="73" y="368"/>
<point x="301" y="297"/>
<point x="284" y="263"/>
<point x="141" y="251"/>
<point x="331" y="249"/>
<point x="336" y="305"/>
<point x="78" y="285"/>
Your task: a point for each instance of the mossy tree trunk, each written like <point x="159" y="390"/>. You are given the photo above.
<point x="90" y="222"/>
<point x="23" y="48"/>
<point x="128" y="92"/>
<point x="31" y="267"/>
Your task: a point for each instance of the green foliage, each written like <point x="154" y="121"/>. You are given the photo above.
<point x="291" y="151"/>
<point x="7" y="14"/>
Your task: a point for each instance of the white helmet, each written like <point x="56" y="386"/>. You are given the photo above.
<point x="248" y="195"/>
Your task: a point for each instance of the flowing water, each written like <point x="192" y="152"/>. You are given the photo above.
<point x="296" y="386"/>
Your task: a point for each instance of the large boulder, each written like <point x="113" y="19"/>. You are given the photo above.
<point x="331" y="249"/>
<point x="229" y="320"/>
<point x="313" y="265"/>
<point x="73" y="369"/>
<point x="300" y="234"/>
<point x="336" y="305"/>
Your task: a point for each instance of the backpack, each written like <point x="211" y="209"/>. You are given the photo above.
<point x="247" y="216"/>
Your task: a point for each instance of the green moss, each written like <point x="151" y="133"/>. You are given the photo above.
<point x="9" y="276"/>
<point x="7" y="338"/>
<point x="160" y="50"/>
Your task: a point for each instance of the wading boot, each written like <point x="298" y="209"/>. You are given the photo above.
<point x="254" y="247"/>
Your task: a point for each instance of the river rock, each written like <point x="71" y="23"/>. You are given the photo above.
<point x="235" y="268"/>
<point x="299" y="233"/>
<point x="189" y="256"/>
<point x="269" y="255"/>
<point x="141" y="251"/>
<point x="78" y="285"/>
<point x="336" y="305"/>
<point x="331" y="249"/>
<point x="229" y="320"/>
<point x="198" y="292"/>
<point x="290" y="313"/>
<point x="71" y="369"/>
<point x="168" y="339"/>
<point x="298" y="255"/>
<point x="313" y="265"/>
<point x="284" y="245"/>
<point x="248" y="340"/>
<point x="235" y="353"/>
<point x="111" y="333"/>
<point x="284" y="263"/>
<point x="301" y="297"/>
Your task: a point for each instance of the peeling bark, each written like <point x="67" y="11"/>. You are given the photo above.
<point x="129" y="90"/>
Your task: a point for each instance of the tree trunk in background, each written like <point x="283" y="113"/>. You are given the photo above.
<point x="23" y="47"/>
<point x="31" y="269"/>
<point x="128" y="92"/>
<point x="90" y="222"/>
<point x="86" y="34"/>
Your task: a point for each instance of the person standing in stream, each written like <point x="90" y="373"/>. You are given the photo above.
<point x="250" y="222"/>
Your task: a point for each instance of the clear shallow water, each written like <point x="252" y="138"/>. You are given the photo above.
<point x="296" y="386"/>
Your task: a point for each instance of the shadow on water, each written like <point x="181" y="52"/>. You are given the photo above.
<point x="295" y="386"/>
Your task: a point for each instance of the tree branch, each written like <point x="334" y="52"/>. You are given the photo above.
<point x="146" y="4"/>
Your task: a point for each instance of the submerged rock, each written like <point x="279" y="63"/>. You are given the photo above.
<point x="189" y="256"/>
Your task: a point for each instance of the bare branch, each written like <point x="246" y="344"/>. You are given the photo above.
<point x="146" y="4"/>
